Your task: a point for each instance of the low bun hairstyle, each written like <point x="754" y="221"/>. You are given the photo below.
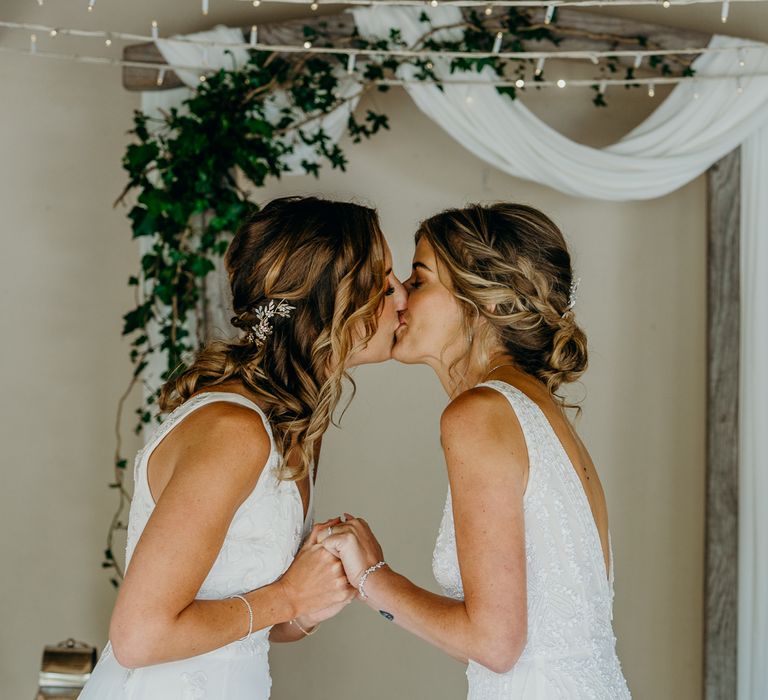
<point x="327" y="260"/>
<point x="509" y="264"/>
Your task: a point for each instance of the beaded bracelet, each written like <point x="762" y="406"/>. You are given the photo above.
<point x="250" y="616"/>
<point x="364" y="576"/>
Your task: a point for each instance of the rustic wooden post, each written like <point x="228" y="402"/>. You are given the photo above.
<point x="722" y="475"/>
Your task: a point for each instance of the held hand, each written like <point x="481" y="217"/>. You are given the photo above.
<point x="315" y="618"/>
<point x="354" y="543"/>
<point x="315" y="581"/>
<point x="315" y="537"/>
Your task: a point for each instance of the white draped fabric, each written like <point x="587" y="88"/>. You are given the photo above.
<point x="697" y="124"/>
<point x="678" y="142"/>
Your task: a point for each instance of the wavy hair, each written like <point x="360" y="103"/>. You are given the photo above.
<point x="327" y="260"/>
<point x="509" y="264"/>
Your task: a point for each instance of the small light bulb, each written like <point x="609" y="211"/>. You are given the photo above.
<point x="430" y="65"/>
<point x="307" y="44"/>
<point x="561" y="83"/>
<point x="160" y="77"/>
<point x="433" y="3"/>
<point x="314" y="6"/>
<point x="154" y="29"/>
<point x="202" y="78"/>
<point x="520" y="83"/>
<point x="724" y="12"/>
<point x="651" y="90"/>
<point x="488" y="11"/>
<point x="539" y="66"/>
<point x="91" y="3"/>
<point x="108" y="42"/>
<point x="256" y="3"/>
<point x="666" y="4"/>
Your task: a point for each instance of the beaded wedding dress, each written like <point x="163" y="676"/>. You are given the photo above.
<point x="262" y="540"/>
<point x="570" y="653"/>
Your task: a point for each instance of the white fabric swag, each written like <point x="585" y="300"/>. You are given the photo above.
<point x="677" y="143"/>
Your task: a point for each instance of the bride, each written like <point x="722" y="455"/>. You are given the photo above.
<point x="223" y="489"/>
<point x="523" y="555"/>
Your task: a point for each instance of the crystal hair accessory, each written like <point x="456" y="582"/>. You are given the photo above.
<point x="264" y="314"/>
<point x="572" y="295"/>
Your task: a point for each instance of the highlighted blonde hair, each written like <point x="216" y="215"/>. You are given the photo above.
<point x="509" y="265"/>
<point x="327" y="260"/>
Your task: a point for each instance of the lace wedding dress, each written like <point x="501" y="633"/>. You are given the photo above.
<point x="262" y="540"/>
<point x="570" y="653"/>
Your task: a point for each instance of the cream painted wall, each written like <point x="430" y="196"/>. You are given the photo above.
<point x="66" y="259"/>
<point x="68" y="255"/>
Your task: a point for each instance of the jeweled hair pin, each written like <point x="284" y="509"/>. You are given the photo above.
<point x="265" y="313"/>
<point x="572" y="295"/>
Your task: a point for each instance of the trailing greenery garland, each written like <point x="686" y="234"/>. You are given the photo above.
<point x="185" y="168"/>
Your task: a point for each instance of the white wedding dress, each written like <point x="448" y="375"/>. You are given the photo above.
<point x="262" y="540"/>
<point x="570" y="653"/>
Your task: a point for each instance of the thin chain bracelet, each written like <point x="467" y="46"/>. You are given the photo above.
<point x="250" y="616"/>
<point x="365" y="575"/>
<point x="306" y="634"/>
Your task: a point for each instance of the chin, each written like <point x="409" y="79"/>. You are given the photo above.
<point x="401" y="354"/>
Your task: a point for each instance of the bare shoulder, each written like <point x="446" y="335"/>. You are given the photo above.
<point x="222" y="437"/>
<point x="480" y="433"/>
<point x="478" y="409"/>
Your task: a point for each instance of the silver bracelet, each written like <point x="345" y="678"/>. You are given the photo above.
<point x="250" y="616"/>
<point x="364" y="576"/>
<point x="306" y="633"/>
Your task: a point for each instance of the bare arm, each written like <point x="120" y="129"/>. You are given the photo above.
<point x="487" y="465"/>
<point x="219" y="453"/>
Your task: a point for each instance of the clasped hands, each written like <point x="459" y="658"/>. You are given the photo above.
<point x="350" y="540"/>
<point x="324" y="577"/>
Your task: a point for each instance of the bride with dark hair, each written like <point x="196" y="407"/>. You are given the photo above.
<point x="216" y="569"/>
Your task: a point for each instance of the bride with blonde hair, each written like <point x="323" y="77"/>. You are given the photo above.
<point x="523" y="556"/>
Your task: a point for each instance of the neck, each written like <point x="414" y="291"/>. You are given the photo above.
<point x="469" y="373"/>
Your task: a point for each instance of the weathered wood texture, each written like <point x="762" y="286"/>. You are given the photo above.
<point x="722" y="479"/>
<point x="588" y="32"/>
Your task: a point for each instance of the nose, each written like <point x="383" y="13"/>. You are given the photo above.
<point x="401" y="297"/>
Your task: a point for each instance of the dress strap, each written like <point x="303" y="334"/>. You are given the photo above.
<point x="523" y="407"/>
<point x="186" y="409"/>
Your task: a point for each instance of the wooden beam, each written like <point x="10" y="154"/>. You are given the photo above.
<point x="593" y="32"/>
<point x="722" y="474"/>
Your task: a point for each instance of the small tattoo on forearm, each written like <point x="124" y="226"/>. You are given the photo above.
<point x="387" y="615"/>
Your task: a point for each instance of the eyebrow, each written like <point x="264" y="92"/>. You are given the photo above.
<point x="388" y="272"/>
<point x="418" y="264"/>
